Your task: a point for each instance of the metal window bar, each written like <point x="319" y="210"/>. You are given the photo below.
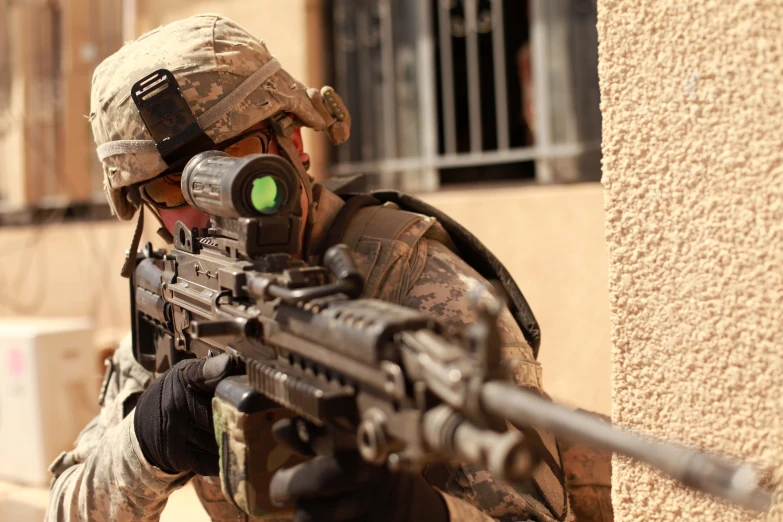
<point x="501" y="93"/>
<point x="543" y="104"/>
<point x="447" y="75"/>
<point x="414" y="139"/>
<point x="428" y="116"/>
<point x="342" y="46"/>
<point x="366" y="126"/>
<point x="474" y="73"/>
<point x="388" y="79"/>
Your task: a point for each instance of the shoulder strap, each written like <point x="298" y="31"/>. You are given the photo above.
<point x="344" y="216"/>
<point x="476" y="255"/>
<point x="387" y="222"/>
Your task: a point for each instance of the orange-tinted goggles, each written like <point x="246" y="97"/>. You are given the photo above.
<point x="165" y="190"/>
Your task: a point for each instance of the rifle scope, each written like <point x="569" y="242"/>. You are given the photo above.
<point x="252" y="186"/>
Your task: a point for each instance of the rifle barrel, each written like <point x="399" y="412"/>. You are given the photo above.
<point x="698" y="470"/>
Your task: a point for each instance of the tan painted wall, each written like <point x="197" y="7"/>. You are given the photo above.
<point x="692" y="105"/>
<point x="67" y="270"/>
<point x="550" y="238"/>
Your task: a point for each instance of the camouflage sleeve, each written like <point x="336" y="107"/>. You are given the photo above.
<point x="443" y="291"/>
<point x="106" y="477"/>
<point x="115" y="483"/>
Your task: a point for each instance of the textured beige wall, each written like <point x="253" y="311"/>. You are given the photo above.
<point x="692" y="96"/>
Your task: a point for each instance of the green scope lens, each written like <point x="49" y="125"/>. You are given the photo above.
<point x="267" y="195"/>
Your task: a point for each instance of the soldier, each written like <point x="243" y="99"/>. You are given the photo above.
<point x="154" y="432"/>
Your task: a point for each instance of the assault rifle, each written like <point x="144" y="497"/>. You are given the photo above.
<point x="387" y="380"/>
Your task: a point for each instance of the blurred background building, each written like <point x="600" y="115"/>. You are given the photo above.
<point x="488" y="109"/>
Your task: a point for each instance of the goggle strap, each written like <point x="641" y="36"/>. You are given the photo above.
<point x="130" y="259"/>
<point x="293" y="156"/>
<point x="162" y="232"/>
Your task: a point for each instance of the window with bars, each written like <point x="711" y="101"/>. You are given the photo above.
<point x="449" y="91"/>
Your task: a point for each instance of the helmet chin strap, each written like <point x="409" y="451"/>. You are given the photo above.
<point x="284" y="128"/>
<point x="162" y="232"/>
<point x="130" y="259"/>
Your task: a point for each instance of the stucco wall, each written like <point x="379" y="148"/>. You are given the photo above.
<point x="692" y="108"/>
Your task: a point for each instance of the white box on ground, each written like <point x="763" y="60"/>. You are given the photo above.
<point x="47" y="393"/>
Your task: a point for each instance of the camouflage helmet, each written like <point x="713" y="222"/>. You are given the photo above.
<point x="228" y="78"/>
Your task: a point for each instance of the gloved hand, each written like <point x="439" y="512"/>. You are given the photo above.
<point x="345" y="488"/>
<point x="173" y="420"/>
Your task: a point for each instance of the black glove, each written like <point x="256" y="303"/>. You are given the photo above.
<point x="345" y="488"/>
<point x="173" y="421"/>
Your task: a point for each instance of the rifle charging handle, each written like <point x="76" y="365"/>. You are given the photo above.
<point x="340" y="262"/>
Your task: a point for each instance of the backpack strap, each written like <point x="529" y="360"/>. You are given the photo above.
<point x="344" y="216"/>
<point x="475" y="254"/>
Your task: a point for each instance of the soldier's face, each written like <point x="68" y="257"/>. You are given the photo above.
<point x="193" y="218"/>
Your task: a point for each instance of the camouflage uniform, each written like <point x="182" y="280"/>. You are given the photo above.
<point x="106" y="478"/>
